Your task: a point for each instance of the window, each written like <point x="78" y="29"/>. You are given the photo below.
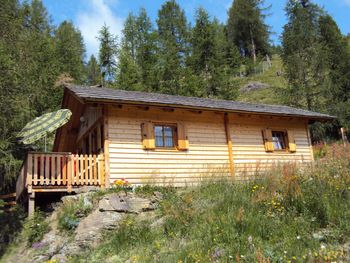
<point x="164" y="136"/>
<point x="279" y="140"/>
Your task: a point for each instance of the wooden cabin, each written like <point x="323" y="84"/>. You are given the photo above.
<point x="150" y="138"/>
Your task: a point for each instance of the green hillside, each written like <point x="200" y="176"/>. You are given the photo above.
<point x="267" y="95"/>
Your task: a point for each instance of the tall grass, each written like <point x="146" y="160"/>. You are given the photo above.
<point x="288" y="215"/>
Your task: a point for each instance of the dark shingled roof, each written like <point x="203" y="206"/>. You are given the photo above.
<point x="97" y="94"/>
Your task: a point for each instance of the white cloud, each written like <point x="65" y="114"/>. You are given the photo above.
<point x="96" y="14"/>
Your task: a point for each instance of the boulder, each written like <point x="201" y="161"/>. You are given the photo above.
<point x="125" y="204"/>
<point x="254" y="86"/>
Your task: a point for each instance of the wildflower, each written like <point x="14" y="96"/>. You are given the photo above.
<point x="250" y="239"/>
<point x="298" y="237"/>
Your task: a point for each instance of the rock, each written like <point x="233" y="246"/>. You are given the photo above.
<point x="254" y="86"/>
<point x="89" y="231"/>
<point x="125" y="204"/>
<point x="104" y="205"/>
<point x="158" y="195"/>
<point x="39" y="259"/>
<point x="87" y="189"/>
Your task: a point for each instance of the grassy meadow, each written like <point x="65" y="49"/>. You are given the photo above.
<point x="288" y="215"/>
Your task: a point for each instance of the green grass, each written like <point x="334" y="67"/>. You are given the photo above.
<point x="286" y="216"/>
<point x="269" y="95"/>
<point x="35" y="227"/>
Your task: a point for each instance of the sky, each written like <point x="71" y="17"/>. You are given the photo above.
<point x="90" y="15"/>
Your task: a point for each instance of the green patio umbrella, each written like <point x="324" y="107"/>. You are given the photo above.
<point x="43" y="125"/>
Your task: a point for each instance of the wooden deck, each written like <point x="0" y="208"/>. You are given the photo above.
<point x="58" y="172"/>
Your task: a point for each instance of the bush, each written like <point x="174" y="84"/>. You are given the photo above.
<point x="71" y="212"/>
<point x="35" y="227"/>
<point x="11" y="225"/>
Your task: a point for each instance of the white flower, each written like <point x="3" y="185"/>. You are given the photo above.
<point x="250" y="239"/>
<point x="285" y="252"/>
<point x="298" y="237"/>
<point x="323" y="246"/>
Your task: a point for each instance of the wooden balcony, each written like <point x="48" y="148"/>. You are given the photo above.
<point x="59" y="172"/>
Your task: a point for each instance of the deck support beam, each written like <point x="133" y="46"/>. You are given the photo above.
<point x="31" y="203"/>
<point x="229" y="144"/>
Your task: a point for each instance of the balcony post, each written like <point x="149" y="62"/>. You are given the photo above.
<point x="31" y="203"/>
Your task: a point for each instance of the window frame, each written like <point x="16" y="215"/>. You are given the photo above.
<point x="284" y="137"/>
<point x="174" y="135"/>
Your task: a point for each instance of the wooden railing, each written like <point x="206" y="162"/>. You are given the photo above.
<point x="9" y="201"/>
<point x="60" y="170"/>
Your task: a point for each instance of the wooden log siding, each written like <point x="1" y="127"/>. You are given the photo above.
<point x="251" y="157"/>
<point x="60" y="170"/>
<point x="207" y="155"/>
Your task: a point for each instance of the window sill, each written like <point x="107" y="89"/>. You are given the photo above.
<point x="166" y="150"/>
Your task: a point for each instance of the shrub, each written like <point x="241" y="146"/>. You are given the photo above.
<point x="35" y="227"/>
<point x="11" y="224"/>
<point x="71" y="212"/>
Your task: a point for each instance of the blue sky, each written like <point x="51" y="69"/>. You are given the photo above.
<point x="90" y="15"/>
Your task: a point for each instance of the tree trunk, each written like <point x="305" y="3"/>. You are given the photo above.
<point x="253" y="45"/>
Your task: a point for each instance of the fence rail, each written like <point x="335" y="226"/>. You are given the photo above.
<point x="8" y="201"/>
<point x="60" y="170"/>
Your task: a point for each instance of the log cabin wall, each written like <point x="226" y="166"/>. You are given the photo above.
<point x="207" y="155"/>
<point x="207" y="147"/>
<point x="249" y="154"/>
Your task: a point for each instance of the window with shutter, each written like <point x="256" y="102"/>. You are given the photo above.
<point x="164" y="136"/>
<point x="275" y="140"/>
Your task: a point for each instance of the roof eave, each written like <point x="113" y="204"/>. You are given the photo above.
<point x="116" y="101"/>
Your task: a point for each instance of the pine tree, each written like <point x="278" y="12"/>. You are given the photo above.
<point x="173" y="47"/>
<point x="303" y="56"/>
<point x="27" y="73"/>
<point x="337" y="56"/>
<point x="93" y="74"/>
<point x="107" y="55"/>
<point x="146" y="50"/>
<point x="40" y="68"/>
<point x="70" y="51"/>
<point x="129" y="40"/>
<point x="208" y="56"/>
<point x="128" y="71"/>
<point x="246" y="28"/>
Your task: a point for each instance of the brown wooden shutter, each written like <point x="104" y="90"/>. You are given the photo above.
<point x="182" y="143"/>
<point x="291" y="142"/>
<point x="147" y="133"/>
<point x="267" y="133"/>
